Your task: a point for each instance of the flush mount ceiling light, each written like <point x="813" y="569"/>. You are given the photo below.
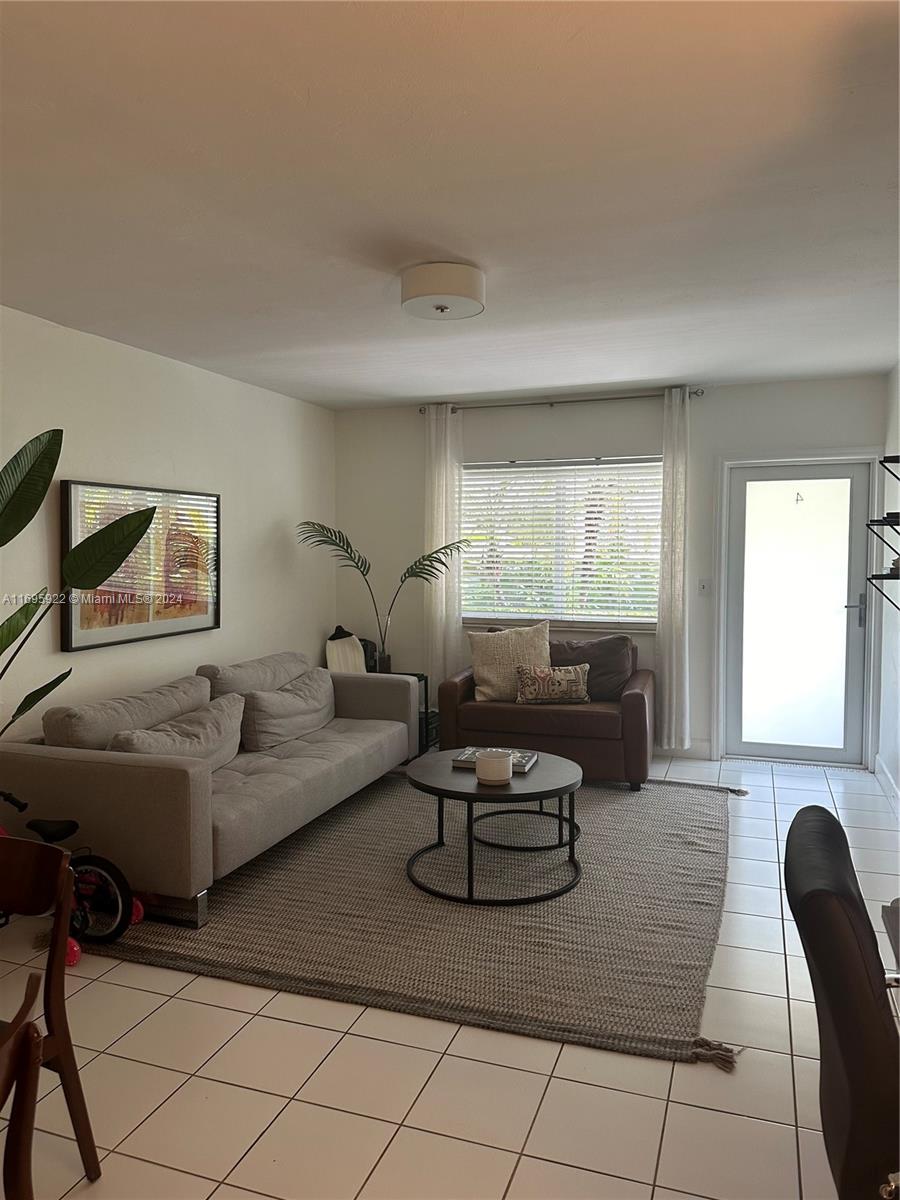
<point x="442" y="291"/>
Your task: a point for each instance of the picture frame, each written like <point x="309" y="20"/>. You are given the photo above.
<point x="169" y="585"/>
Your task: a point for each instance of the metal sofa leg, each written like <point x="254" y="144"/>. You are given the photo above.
<point x="175" y="910"/>
<point x="635" y="787"/>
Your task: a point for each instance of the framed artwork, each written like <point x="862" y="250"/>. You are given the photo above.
<point x="170" y="583"/>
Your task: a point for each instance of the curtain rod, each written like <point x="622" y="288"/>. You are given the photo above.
<point x="658" y="394"/>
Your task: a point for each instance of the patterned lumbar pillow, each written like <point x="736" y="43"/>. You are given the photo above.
<point x="496" y="655"/>
<point x="553" y="685"/>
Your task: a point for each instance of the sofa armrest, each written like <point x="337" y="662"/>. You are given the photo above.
<point x="377" y="697"/>
<point x="151" y="815"/>
<point x="638" y="702"/>
<point x="451" y="694"/>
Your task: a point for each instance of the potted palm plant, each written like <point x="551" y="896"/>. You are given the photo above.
<point x="427" y="567"/>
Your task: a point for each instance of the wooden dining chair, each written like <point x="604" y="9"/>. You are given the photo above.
<point x="20" y="1064"/>
<point x="35" y="878"/>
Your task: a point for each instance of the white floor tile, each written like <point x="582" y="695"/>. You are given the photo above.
<point x="753" y="900"/>
<point x="755" y="827"/>
<point x="728" y="1157"/>
<point x="131" y="1179"/>
<point x="799" y="983"/>
<point x="818" y="1183"/>
<point x="665" y="1194"/>
<point x="119" y="1095"/>
<point x="740" y="776"/>
<point x="92" y="966"/>
<point x="688" y="771"/>
<point x="312" y="1153"/>
<point x="864" y="785"/>
<point x="746" y="1019"/>
<point x="17" y="940"/>
<point x="859" y="818"/>
<point x="372" y="1078"/>
<point x="14" y="982"/>
<point x="798" y="770"/>
<point x="180" y="1035"/>
<point x="422" y="1032"/>
<point x="479" y="1102"/>
<point x="426" y="1166"/>
<point x="606" y="1068"/>
<point x="804" y="1029"/>
<point x="309" y="1010"/>
<point x="868" y="802"/>
<point x="616" y="1133"/>
<point x="204" y="1128"/>
<point x="886" y="840"/>
<point x="806" y="1084"/>
<point x="751" y="932"/>
<point x="750" y="847"/>
<point x="505" y="1049"/>
<point x="754" y="872"/>
<point x="800" y="783"/>
<point x="745" y="806"/>
<point x="225" y="994"/>
<point x="149" y="979"/>
<point x="55" y="1164"/>
<point x="792" y="943"/>
<point x="536" y="1179"/>
<point x="49" y="1080"/>
<point x="759" y="1086"/>
<point x="748" y="971"/>
<point x="883" y="861"/>
<point x="762" y="792"/>
<point x="272" y="1056"/>
<point x="101" y="1013"/>
<point x="882" y="889"/>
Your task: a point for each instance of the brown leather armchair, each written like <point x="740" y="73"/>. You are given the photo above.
<point x="610" y="740"/>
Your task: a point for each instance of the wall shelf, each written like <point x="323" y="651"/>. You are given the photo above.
<point x="887" y="522"/>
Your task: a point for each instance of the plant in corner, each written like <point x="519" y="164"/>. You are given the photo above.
<point x="427" y="567"/>
<point x="24" y="482"/>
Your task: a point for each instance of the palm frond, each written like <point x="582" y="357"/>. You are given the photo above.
<point x="312" y="533"/>
<point x="431" y="566"/>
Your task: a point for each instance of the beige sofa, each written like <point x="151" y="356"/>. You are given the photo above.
<point x="173" y="824"/>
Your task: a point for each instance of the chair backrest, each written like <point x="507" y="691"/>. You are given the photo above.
<point x="30" y="876"/>
<point x="859" y="1090"/>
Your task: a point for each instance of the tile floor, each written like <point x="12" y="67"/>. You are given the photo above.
<point x="201" y="1088"/>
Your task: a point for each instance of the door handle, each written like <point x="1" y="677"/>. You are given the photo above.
<point x="861" y="607"/>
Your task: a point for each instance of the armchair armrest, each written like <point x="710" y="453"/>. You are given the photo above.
<point x="638" y="702"/>
<point x="452" y="692"/>
<point x="150" y="814"/>
<point x="377" y="697"/>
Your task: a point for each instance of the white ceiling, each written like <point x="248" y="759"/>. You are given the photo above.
<point x="657" y="191"/>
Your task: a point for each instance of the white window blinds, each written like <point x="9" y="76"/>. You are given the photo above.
<point x="565" y="540"/>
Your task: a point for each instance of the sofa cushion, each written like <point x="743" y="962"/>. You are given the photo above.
<point x="256" y="674"/>
<point x="595" y="720"/>
<point x="495" y="657"/>
<point x="260" y="798"/>
<point x="609" y="661"/>
<point x="212" y="732"/>
<point x="91" y="726"/>
<point x="302" y="706"/>
<point x="552" y="685"/>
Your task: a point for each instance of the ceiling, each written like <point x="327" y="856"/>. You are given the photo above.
<point x="657" y="191"/>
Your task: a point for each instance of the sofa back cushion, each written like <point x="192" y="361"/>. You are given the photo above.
<point x="302" y="706"/>
<point x="609" y="661"/>
<point x="212" y="732"/>
<point x="91" y="726"/>
<point x="495" y="657"/>
<point x="257" y="674"/>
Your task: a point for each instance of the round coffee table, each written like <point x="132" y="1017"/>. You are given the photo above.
<point x="551" y="778"/>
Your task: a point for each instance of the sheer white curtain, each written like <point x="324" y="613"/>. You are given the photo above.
<point x="444" y="642"/>
<point x="673" y="715"/>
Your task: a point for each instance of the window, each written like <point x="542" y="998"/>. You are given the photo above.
<point x="576" y="541"/>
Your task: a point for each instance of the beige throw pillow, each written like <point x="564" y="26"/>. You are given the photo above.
<point x="495" y="657"/>
<point x="553" y="685"/>
<point x="212" y="732"/>
<point x="300" y="707"/>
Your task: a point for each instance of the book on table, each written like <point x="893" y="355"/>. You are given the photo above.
<point x="522" y="760"/>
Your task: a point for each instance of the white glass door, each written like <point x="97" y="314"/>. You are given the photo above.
<point x="796" y="612"/>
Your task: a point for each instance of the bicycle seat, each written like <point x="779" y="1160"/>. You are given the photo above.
<point x="53" y="831"/>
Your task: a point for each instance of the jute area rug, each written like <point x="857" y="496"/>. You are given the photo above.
<point x="620" y="962"/>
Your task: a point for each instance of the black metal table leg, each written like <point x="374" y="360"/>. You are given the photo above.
<point x="440" y="819"/>
<point x="571" y="825"/>
<point x="470" y="848"/>
<point x="559" y="819"/>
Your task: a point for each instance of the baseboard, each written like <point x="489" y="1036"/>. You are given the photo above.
<point x="887" y="781"/>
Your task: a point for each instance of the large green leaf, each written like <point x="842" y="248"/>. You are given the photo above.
<point x="431" y="565"/>
<point x="313" y="533"/>
<point x="13" y="627"/>
<point x="24" y="482"/>
<point x="92" y="561"/>
<point x="36" y="697"/>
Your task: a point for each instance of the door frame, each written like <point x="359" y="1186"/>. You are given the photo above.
<point x="872" y="678"/>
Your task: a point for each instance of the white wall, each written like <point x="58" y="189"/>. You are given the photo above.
<point x="888" y="762"/>
<point x="380" y="482"/>
<point x="133" y="417"/>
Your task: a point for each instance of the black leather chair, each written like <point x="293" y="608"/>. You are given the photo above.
<point x="859" y="1090"/>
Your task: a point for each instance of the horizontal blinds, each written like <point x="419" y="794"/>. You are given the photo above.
<point x="177" y="554"/>
<point x="577" y="540"/>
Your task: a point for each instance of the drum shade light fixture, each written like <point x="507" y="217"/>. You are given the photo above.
<point x="442" y="291"/>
